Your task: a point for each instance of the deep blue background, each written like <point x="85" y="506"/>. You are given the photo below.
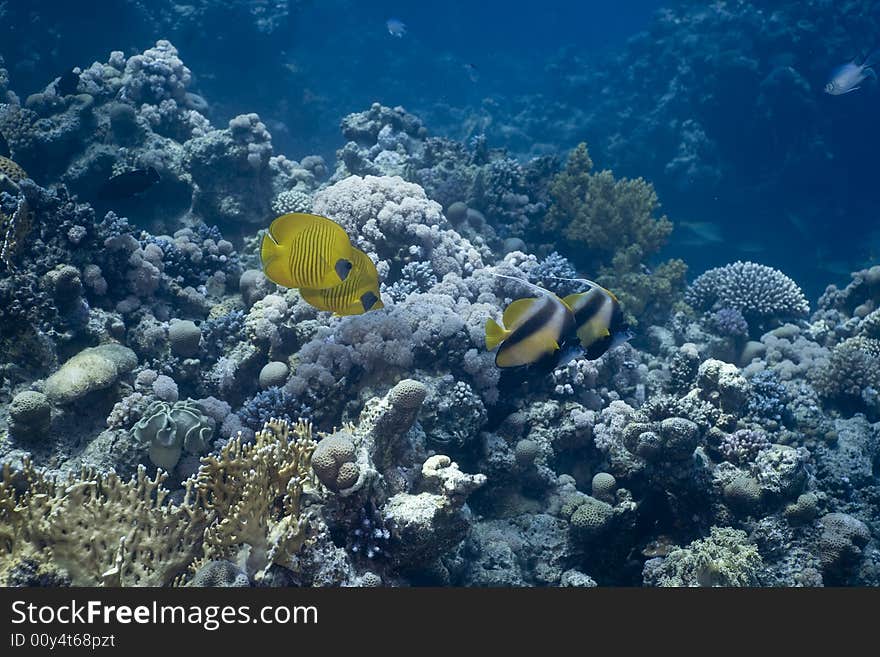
<point x="817" y="220"/>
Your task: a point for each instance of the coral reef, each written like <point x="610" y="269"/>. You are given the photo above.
<point x="169" y="416"/>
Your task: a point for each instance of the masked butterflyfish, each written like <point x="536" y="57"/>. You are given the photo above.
<point x="306" y="250"/>
<point x="357" y="294"/>
<point x="532" y="328"/>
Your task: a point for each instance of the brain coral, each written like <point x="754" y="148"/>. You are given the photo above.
<point x="757" y="291"/>
<point x="333" y="462"/>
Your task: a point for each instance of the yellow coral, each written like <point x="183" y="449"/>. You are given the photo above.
<point x="255" y="491"/>
<point x="97" y="527"/>
<point x="246" y="502"/>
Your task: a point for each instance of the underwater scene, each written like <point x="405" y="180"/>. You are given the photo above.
<point x="339" y="293"/>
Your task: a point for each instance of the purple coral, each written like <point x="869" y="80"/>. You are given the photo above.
<point x="743" y="446"/>
<point x="729" y="322"/>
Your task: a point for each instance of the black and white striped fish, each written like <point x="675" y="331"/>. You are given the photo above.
<point x="547" y="332"/>
<point x="532" y="329"/>
<point x="598" y="319"/>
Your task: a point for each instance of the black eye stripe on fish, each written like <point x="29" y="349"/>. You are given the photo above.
<point x="343" y="268"/>
<point x="357" y="294"/>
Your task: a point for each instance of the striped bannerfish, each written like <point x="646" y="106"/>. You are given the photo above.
<point x="357" y="294"/>
<point x="306" y="250"/>
<point x="547" y="332"/>
<point x="532" y="329"/>
<point x="598" y="320"/>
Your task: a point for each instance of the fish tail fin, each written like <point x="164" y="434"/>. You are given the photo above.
<point x="872" y="58"/>
<point x="495" y="334"/>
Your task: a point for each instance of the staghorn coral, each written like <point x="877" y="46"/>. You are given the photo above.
<point x="256" y="491"/>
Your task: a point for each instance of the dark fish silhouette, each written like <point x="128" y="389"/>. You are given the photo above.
<point x="67" y="84"/>
<point x="4" y="147"/>
<point x="128" y="184"/>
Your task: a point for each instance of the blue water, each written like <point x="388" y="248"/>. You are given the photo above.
<point x="304" y="65"/>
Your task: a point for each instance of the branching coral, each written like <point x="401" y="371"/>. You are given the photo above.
<point x="256" y="492"/>
<point x="851" y="377"/>
<point x="99" y="528"/>
<point x="759" y="292"/>
<point x="604" y="214"/>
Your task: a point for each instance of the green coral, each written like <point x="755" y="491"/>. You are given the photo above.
<point x="724" y="558"/>
<point x="645" y="296"/>
<point x="613" y="224"/>
<point x="604" y="214"/>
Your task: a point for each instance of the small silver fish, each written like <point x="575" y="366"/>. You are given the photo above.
<point x="395" y="27"/>
<point x="849" y="77"/>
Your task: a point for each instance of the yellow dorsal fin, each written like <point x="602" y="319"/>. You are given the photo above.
<point x="515" y="312"/>
<point x="572" y="299"/>
<point x="285" y="228"/>
<point x="495" y="334"/>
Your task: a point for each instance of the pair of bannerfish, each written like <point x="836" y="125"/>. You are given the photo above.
<point x="314" y="254"/>
<point x="546" y="332"/>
